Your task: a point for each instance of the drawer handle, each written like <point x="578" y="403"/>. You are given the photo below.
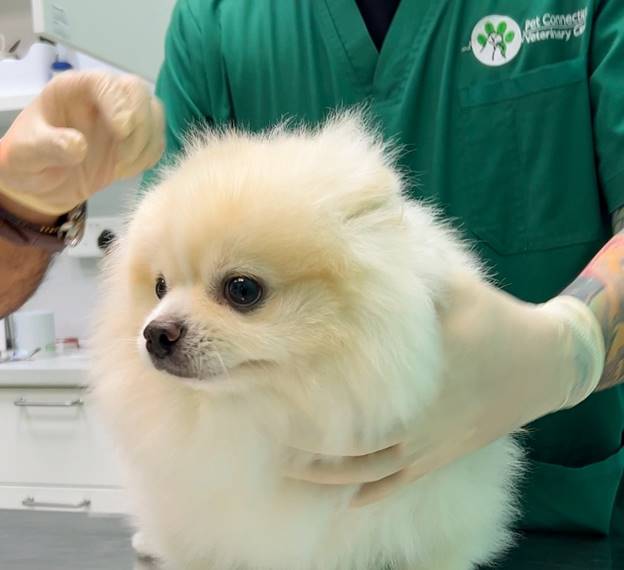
<point x="24" y="403"/>
<point x="30" y="502"/>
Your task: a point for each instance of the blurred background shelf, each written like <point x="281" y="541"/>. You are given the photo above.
<point x="62" y="369"/>
<point x="13" y="103"/>
<point x="22" y="79"/>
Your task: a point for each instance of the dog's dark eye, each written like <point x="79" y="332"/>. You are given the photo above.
<point x="242" y="293"/>
<point x="161" y="287"/>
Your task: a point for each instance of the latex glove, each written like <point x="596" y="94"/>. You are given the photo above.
<point x="507" y="364"/>
<point x="85" y="130"/>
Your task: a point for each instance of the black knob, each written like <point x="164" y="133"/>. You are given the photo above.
<point x="105" y="239"/>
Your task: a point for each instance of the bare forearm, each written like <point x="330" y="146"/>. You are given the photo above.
<point x="601" y="287"/>
<point x="21" y="271"/>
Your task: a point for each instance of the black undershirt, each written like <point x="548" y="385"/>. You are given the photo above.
<point x="377" y="15"/>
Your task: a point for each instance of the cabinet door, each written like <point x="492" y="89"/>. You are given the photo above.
<point x="95" y="500"/>
<point x="128" y="34"/>
<point x="53" y="437"/>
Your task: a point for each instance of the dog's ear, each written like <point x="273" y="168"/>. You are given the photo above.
<point x="379" y="191"/>
<point x="371" y="182"/>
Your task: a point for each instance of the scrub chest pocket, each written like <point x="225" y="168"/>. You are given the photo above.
<point x="524" y="142"/>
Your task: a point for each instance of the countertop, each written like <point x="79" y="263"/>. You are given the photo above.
<point x="62" y="369"/>
<point x="62" y="541"/>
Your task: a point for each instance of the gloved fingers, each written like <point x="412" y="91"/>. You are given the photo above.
<point x="52" y="203"/>
<point x="124" y="102"/>
<point x="144" y="147"/>
<point x="350" y="470"/>
<point x="156" y="147"/>
<point x="58" y="148"/>
<point x="45" y="147"/>
<point x="306" y="442"/>
<point x="148" y="157"/>
<point x="424" y="459"/>
<point x="376" y="491"/>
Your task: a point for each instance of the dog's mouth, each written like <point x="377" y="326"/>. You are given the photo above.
<point x="174" y="368"/>
<point x="188" y="371"/>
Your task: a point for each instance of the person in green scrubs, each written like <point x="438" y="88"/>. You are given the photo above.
<point x="511" y="115"/>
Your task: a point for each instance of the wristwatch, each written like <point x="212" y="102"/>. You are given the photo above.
<point x="68" y="231"/>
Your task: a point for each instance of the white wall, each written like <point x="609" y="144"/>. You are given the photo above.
<point x="70" y="287"/>
<point x="69" y="290"/>
<point x="129" y="34"/>
<point x="16" y="23"/>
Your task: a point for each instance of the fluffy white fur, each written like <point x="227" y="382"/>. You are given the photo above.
<point x="344" y="349"/>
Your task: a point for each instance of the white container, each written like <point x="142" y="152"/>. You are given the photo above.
<point x="4" y="54"/>
<point x="27" y="75"/>
<point x="33" y="330"/>
<point x="3" y="339"/>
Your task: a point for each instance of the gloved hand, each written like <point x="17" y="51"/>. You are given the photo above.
<point x="507" y="363"/>
<point x="85" y="130"/>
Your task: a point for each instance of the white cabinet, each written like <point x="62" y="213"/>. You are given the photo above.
<point x="54" y="452"/>
<point x="22" y="80"/>
<point x="52" y="437"/>
<point x="94" y="500"/>
<point x="127" y="34"/>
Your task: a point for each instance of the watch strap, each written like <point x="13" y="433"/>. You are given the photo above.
<point x="68" y="230"/>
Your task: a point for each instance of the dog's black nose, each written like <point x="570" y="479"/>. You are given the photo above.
<point x="161" y="337"/>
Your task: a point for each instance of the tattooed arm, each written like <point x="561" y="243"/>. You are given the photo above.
<point x="601" y="287"/>
<point x="22" y="269"/>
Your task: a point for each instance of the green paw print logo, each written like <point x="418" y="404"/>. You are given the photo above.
<point x="496" y="40"/>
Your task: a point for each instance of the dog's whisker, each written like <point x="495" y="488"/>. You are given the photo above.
<point x="223" y="366"/>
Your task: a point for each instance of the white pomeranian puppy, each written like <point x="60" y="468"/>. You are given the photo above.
<point x="281" y="284"/>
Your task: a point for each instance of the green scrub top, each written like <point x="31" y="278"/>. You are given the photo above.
<point x="511" y="115"/>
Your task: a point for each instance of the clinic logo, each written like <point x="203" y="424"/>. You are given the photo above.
<point x="496" y="40"/>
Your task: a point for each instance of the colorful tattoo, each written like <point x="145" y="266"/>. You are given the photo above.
<point x="601" y="287"/>
<point x="617" y="220"/>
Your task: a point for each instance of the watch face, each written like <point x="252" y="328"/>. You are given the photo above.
<point x="74" y="234"/>
<point x="71" y="232"/>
